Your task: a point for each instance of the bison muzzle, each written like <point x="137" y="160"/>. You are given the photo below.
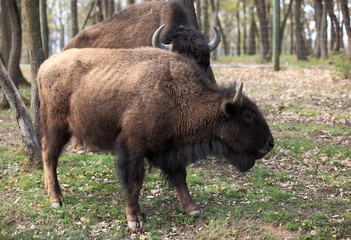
<point x="145" y="103"/>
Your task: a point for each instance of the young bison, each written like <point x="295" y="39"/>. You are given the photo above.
<point x="145" y="103"/>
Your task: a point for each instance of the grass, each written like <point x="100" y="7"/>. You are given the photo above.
<point x="299" y="191"/>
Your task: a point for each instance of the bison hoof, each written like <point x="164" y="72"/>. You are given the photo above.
<point x="91" y="153"/>
<point x="195" y="213"/>
<point x="80" y="151"/>
<point x="57" y="204"/>
<point x="135" y="225"/>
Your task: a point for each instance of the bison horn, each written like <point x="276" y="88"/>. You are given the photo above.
<point x="156" y="42"/>
<point x="238" y="95"/>
<point x="216" y="40"/>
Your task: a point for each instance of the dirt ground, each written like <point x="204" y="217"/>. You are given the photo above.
<point x="314" y="95"/>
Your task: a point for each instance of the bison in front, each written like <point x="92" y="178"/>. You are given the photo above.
<point x="148" y="104"/>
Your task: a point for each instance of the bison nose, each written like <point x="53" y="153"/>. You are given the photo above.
<point x="270" y="143"/>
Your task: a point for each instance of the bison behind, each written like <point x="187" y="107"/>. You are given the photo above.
<point x="144" y="103"/>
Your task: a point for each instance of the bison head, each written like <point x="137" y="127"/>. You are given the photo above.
<point x="187" y="41"/>
<point x="244" y="131"/>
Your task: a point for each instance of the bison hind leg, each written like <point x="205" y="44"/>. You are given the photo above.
<point x="54" y="138"/>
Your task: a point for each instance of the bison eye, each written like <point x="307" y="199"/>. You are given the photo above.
<point x="249" y="116"/>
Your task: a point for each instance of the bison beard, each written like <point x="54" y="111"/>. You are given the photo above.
<point x="145" y="103"/>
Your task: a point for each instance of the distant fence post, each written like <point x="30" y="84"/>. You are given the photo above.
<point x="276" y="34"/>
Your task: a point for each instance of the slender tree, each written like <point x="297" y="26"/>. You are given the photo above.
<point x="265" y="46"/>
<point x="74" y="17"/>
<point x="335" y="40"/>
<point x="29" y="137"/>
<point x="189" y="5"/>
<point x="44" y="27"/>
<point x="36" y="53"/>
<point x="283" y="24"/>
<point x="346" y="21"/>
<point x="251" y="50"/>
<point x="324" y="34"/>
<point x="300" y="44"/>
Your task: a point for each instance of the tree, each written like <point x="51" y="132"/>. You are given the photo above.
<point x="324" y="34"/>
<point x="346" y="16"/>
<point x="74" y="17"/>
<point x="283" y="24"/>
<point x="44" y="27"/>
<point x="189" y="5"/>
<point x="300" y="44"/>
<point x="335" y="27"/>
<point x="265" y="47"/>
<point x="109" y="8"/>
<point x="318" y="15"/>
<point x="251" y="50"/>
<point x="29" y="137"/>
<point x="36" y="53"/>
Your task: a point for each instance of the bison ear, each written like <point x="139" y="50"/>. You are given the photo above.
<point x="228" y="108"/>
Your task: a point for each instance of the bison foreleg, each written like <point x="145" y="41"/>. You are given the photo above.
<point x="178" y="179"/>
<point x="132" y="172"/>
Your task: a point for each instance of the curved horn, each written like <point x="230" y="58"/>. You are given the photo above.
<point x="238" y="95"/>
<point x="215" y="41"/>
<point x="156" y="42"/>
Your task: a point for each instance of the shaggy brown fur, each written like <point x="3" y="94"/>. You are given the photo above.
<point x="144" y="103"/>
<point x="134" y="26"/>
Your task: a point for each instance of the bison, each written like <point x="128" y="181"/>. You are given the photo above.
<point x="141" y="25"/>
<point x="145" y="103"/>
<point x="160" y="24"/>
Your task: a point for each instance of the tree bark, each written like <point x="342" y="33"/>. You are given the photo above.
<point x="283" y="24"/>
<point x="324" y="33"/>
<point x="335" y="42"/>
<point x="198" y="14"/>
<point x="265" y="48"/>
<point x="238" y="41"/>
<point x="300" y="44"/>
<point x="74" y="17"/>
<point x="244" y="27"/>
<point x="36" y="54"/>
<point x="29" y="137"/>
<point x="346" y="17"/>
<point x="189" y="6"/>
<point x="252" y="35"/>
<point x="318" y="14"/>
<point x="98" y="11"/>
<point x="44" y="28"/>
<point x="110" y="8"/>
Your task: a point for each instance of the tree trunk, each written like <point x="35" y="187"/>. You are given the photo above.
<point x="44" y="28"/>
<point x="252" y="35"/>
<point x="283" y="24"/>
<point x="5" y="32"/>
<point x="335" y="47"/>
<point x="74" y="17"/>
<point x="14" y="46"/>
<point x="206" y="19"/>
<point x="265" y="48"/>
<point x="292" y="27"/>
<point x="110" y="8"/>
<point x="129" y="2"/>
<point x="29" y="137"/>
<point x="36" y="54"/>
<point x="98" y="16"/>
<point x="318" y="14"/>
<point x="189" y="6"/>
<point x="324" y="33"/>
<point x="346" y="17"/>
<point x="238" y="42"/>
<point x="198" y="14"/>
<point x="244" y="27"/>
<point x="300" y="44"/>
